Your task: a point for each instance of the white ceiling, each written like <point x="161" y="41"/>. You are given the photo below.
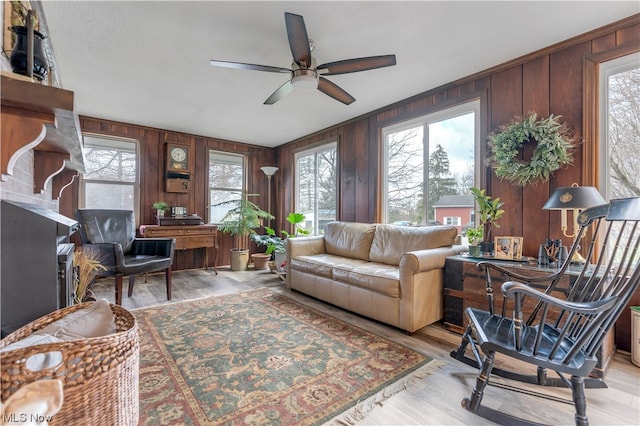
<point x="147" y="62"/>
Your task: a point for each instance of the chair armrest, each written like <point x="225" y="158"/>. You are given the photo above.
<point x="304" y="246"/>
<point x="512" y="290"/>
<point x="427" y="260"/>
<point x="154" y="246"/>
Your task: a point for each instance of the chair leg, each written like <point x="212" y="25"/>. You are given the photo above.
<point x="579" y="400"/>
<point x="119" y="290"/>
<point x="168" y="279"/>
<point x="481" y="382"/>
<point x="132" y="281"/>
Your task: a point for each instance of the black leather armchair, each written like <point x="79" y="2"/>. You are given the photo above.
<point x="112" y="234"/>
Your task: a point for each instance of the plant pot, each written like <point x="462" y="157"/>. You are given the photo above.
<point x="239" y="259"/>
<point x="474" y="251"/>
<point x="280" y="259"/>
<point x="18" y="58"/>
<point x="487" y="248"/>
<point x="260" y="260"/>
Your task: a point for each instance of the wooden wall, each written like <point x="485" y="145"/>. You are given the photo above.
<point x="152" y="170"/>
<point x="549" y="81"/>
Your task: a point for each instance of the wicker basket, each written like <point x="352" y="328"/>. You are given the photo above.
<point x="100" y="374"/>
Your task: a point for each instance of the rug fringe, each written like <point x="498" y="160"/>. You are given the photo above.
<point x="363" y="408"/>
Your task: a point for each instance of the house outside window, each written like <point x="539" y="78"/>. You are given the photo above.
<point x="226" y="182"/>
<point x="428" y="158"/>
<point x="316" y="186"/>
<point x="111" y="177"/>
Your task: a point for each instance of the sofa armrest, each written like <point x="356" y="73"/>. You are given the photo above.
<point x="304" y="246"/>
<point x="426" y="260"/>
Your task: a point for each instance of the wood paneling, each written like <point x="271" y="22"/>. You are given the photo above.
<point x="549" y="81"/>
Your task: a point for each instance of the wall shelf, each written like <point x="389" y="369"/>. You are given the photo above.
<point x="41" y="118"/>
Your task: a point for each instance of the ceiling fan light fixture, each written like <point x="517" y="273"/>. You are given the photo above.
<point x="305" y="80"/>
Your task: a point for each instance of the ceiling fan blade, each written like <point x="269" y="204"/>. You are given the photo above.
<point x="253" y="67"/>
<point x="298" y="39"/>
<point x="335" y="91"/>
<point x="358" y="64"/>
<point x="280" y="93"/>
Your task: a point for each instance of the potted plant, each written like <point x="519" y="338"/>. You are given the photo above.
<point x="272" y="242"/>
<point x="240" y="222"/>
<point x="474" y="236"/>
<point x="490" y="211"/>
<point x="161" y="207"/>
<point x="296" y="219"/>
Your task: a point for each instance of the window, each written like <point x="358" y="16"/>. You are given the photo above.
<point x="316" y="188"/>
<point x="620" y="127"/>
<point x="452" y="220"/>
<point x="226" y="182"/>
<point x="428" y="158"/>
<point x="111" y="177"/>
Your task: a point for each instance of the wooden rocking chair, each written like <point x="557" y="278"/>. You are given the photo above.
<point x="561" y="335"/>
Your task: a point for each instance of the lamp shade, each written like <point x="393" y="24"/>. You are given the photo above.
<point x="269" y="170"/>
<point x="574" y="197"/>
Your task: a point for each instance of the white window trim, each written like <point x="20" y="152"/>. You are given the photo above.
<point x="114" y="141"/>
<point x="445" y="113"/>
<point x="607" y="69"/>
<point x="242" y="190"/>
<point x="319" y="148"/>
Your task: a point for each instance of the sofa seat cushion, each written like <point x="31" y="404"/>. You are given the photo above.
<point x="391" y="241"/>
<point x="377" y="277"/>
<point x="323" y="264"/>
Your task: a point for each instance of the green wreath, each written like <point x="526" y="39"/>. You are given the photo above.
<point x="554" y="149"/>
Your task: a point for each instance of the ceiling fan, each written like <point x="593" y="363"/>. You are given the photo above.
<point x="305" y="75"/>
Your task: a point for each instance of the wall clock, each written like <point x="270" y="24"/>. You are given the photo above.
<point x="178" y="158"/>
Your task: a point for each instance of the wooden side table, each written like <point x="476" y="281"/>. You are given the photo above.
<point x="187" y="237"/>
<point x="465" y="286"/>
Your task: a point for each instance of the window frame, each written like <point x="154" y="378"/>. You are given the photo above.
<point x="607" y="69"/>
<point x="475" y="104"/>
<point x="110" y="142"/>
<point x="242" y="191"/>
<point x="323" y="146"/>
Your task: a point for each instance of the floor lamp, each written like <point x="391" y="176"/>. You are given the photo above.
<point x="269" y="171"/>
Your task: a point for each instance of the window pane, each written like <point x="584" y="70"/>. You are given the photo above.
<point x="624" y="134"/>
<point x="108" y="196"/>
<point x="429" y="160"/>
<point x="111" y="178"/>
<point x="405" y="176"/>
<point x="226" y="182"/>
<point x="316" y="187"/>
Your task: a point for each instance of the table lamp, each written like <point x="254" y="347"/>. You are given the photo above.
<point x="575" y="198"/>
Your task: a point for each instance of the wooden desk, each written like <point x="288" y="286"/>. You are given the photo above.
<point x="187" y="237"/>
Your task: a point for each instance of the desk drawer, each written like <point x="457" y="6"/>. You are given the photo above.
<point x="195" y="241"/>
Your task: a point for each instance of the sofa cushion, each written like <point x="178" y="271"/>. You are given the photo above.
<point x="323" y="264"/>
<point x="391" y="241"/>
<point x="377" y="277"/>
<point x="349" y="239"/>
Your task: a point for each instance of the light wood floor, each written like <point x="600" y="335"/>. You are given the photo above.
<point x="434" y="400"/>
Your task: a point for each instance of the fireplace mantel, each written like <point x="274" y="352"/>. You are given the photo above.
<point x="41" y="118"/>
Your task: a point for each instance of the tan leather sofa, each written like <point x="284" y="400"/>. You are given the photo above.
<point x="389" y="273"/>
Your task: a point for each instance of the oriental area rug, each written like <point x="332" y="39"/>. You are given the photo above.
<point x="258" y="358"/>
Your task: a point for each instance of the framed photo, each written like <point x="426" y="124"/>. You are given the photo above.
<point x="517" y="248"/>
<point x="508" y="248"/>
<point x="503" y="247"/>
